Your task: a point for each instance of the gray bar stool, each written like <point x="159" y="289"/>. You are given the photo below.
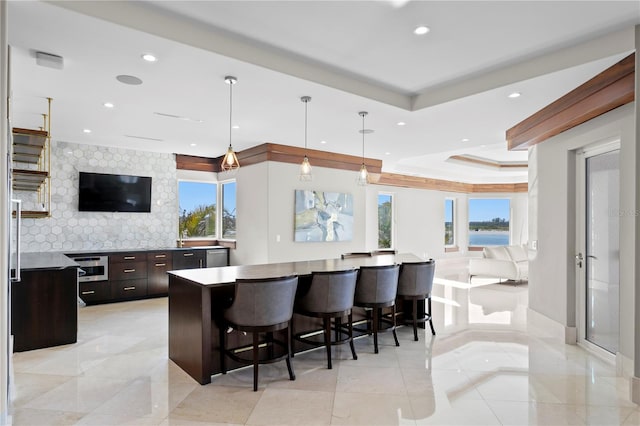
<point x="330" y="296"/>
<point x="260" y="306"/>
<point x="376" y="288"/>
<point x="415" y="283"/>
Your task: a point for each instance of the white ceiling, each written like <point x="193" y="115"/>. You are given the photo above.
<point x="448" y="85"/>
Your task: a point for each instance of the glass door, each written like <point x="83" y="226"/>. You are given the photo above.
<point x="599" y="259"/>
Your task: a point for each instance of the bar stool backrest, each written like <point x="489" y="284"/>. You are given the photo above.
<point x="416" y="278"/>
<point x="377" y="284"/>
<point x="330" y="291"/>
<point x="262" y="302"/>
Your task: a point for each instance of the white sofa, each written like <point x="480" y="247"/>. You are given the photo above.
<point x="508" y="262"/>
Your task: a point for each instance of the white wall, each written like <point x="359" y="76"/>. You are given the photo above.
<point x="552" y="201"/>
<point x="266" y="214"/>
<point x="69" y="229"/>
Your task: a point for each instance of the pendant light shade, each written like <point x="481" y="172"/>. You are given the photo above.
<point x="230" y="160"/>
<point x="305" y="167"/>
<point x="363" y="174"/>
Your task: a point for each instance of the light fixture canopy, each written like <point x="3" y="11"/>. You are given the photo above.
<point x="230" y="160"/>
<point x="305" y="167"/>
<point x="363" y="174"/>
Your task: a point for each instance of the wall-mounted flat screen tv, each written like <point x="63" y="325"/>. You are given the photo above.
<point x="101" y="192"/>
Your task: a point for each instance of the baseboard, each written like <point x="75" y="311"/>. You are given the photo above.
<point x="624" y="365"/>
<point x="543" y="326"/>
<point x="634" y="384"/>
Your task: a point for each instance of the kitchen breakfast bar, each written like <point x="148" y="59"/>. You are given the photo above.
<point x="198" y="297"/>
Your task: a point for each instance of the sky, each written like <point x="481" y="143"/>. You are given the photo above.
<point x="485" y="209"/>
<point x="194" y="194"/>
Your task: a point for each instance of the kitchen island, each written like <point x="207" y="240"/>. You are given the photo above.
<point x="44" y="303"/>
<point x="198" y="297"/>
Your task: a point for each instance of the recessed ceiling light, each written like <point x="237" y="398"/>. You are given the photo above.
<point x="193" y="144"/>
<point x="514" y="95"/>
<point x="108" y="105"/>
<point x="235" y="127"/>
<point x="87" y="130"/>
<point x="387" y="153"/>
<point x="129" y="79"/>
<point x="149" y="57"/>
<point x="323" y="142"/>
<point x="465" y="140"/>
<point x="401" y="123"/>
<point x="483" y="146"/>
<point x="421" y="30"/>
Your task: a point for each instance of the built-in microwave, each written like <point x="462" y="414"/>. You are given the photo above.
<point x="96" y="268"/>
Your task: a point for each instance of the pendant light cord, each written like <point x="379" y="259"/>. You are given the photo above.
<point x="306" y="103"/>
<point x="230" y="110"/>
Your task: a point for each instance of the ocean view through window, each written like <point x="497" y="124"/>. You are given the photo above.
<point x="449" y="230"/>
<point x="489" y="221"/>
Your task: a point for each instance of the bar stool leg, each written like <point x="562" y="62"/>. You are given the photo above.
<point x="375" y="329"/>
<point x="433" y="331"/>
<point x="353" y="349"/>
<point x="393" y="330"/>
<point x="327" y="340"/>
<point x="415" y="318"/>
<point x="292" y="375"/>
<point x="255" y="361"/>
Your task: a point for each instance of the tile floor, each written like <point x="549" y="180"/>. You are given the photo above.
<point x="481" y="368"/>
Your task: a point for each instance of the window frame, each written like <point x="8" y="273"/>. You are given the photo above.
<point x="454" y="222"/>
<point x="220" y="209"/>
<point x="392" y="231"/>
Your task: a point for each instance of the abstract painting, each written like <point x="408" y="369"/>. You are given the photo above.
<point x="323" y="216"/>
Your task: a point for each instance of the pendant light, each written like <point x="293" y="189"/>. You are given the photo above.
<point x="305" y="167"/>
<point x="363" y="174"/>
<point x="230" y="160"/>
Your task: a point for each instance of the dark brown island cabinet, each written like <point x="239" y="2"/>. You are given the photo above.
<point x="44" y="303"/>
<point x="141" y="274"/>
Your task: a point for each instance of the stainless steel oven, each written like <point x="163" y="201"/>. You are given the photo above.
<point x="96" y="268"/>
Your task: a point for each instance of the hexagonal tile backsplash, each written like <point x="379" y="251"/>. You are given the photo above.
<point x="71" y="230"/>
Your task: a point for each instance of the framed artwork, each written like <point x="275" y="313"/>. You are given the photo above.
<point x="323" y="216"/>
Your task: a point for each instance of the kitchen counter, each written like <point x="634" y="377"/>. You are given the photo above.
<point x="52" y="260"/>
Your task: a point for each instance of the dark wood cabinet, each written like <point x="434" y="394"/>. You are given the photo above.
<point x="44" y="309"/>
<point x="94" y="291"/>
<point x="138" y="274"/>
<point x="128" y="275"/>
<point x="189" y="259"/>
<point x="158" y="263"/>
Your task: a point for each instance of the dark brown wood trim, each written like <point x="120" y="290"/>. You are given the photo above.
<point x="475" y="248"/>
<point x="393" y="179"/>
<point x="488" y="162"/>
<point x="294" y="155"/>
<point x="202" y="164"/>
<point x="451" y="249"/>
<point x="608" y="90"/>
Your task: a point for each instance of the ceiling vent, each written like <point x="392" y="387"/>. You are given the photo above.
<point x="49" y="60"/>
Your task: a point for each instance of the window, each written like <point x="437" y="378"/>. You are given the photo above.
<point x="207" y="209"/>
<point x="449" y="230"/>
<point x="197" y="201"/>
<point x="489" y="222"/>
<point x="385" y="220"/>
<point x="229" y="210"/>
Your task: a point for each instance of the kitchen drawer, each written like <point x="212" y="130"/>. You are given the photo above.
<point x="127" y="289"/>
<point x="128" y="270"/>
<point x="159" y="256"/>
<point x="157" y="278"/>
<point x="127" y="257"/>
<point x="96" y="291"/>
